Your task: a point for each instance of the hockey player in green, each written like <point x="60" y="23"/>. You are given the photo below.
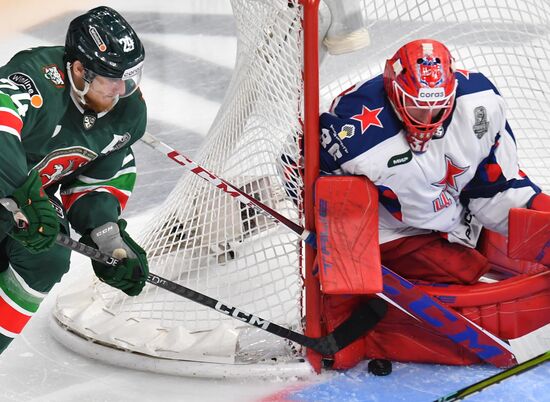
<point x="68" y="116"/>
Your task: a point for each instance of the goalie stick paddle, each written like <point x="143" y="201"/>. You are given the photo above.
<point x="361" y="320"/>
<point x="495" y="379"/>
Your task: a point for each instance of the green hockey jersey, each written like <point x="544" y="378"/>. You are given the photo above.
<point x="86" y="155"/>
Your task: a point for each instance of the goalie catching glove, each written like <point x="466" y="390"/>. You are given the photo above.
<point x="131" y="272"/>
<point x="40" y="225"/>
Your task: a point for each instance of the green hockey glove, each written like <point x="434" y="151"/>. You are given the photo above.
<point x="132" y="271"/>
<point x="42" y="225"/>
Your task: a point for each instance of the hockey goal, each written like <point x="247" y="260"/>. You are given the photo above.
<point x="283" y="77"/>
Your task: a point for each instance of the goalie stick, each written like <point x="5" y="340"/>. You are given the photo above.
<point x="362" y="319"/>
<point x="397" y="290"/>
<point x="495" y="379"/>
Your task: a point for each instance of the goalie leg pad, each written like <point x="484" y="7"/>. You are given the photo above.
<point x="346" y="217"/>
<point x="529" y="235"/>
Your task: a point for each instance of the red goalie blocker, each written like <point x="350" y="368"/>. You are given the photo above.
<point x="346" y="218"/>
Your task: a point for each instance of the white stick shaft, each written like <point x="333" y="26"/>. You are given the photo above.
<point x="223" y="185"/>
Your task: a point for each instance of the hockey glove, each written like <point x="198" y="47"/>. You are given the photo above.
<point x="41" y="226"/>
<point x="132" y="271"/>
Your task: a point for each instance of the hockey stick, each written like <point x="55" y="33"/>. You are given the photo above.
<point x="397" y="290"/>
<point x="363" y="319"/>
<point x="446" y="321"/>
<point x="226" y="187"/>
<point x="495" y="379"/>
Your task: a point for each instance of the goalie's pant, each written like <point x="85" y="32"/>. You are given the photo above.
<point x="432" y="258"/>
<point x="25" y="279"/>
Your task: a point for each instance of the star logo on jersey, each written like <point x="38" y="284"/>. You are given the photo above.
<point x="368" y="118"/>
<point x="453" y="171"/>
<point x="465" y="73"/>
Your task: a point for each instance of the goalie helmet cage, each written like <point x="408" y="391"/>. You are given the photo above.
<point x="264" y="135"/>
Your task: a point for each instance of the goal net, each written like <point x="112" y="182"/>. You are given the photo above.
<point x="205" y="240"/>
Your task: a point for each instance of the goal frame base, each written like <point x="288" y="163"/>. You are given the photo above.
<point x="89" y="348"/>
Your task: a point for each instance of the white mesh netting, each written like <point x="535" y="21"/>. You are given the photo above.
<point x="205" y="240"/>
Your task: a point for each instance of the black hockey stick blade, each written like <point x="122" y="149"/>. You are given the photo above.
<point x="364" y="318"/>
<point x="495" y="379"/>
<point x="361" y="320"/>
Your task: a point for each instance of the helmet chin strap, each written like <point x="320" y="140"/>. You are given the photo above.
<point x="79" y="93"/>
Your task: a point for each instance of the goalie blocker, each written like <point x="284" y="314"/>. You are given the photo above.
<point x="349" y="272"/>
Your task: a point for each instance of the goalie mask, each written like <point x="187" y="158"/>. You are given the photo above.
<point x="108" y="48"/>
<point x="420" y="84"/>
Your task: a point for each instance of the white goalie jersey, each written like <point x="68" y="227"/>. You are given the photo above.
<point x="469" y="176"/>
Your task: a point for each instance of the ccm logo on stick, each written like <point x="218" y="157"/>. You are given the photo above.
<point x="240" y="315"/>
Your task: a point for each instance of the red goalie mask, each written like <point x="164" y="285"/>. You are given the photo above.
<point x="420" y="84"/>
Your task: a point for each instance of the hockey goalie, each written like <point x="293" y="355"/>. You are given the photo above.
<point x="435" y="169"/>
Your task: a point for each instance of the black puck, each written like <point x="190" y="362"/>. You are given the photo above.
<point x="380" y="367"/>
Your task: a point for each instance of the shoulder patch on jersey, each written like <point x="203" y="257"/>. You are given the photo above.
<point x="368" y="118"/>
<point x="347" y="131"/>
<point x="400" y="159"/>
<point x="55" y="75"/>
<point x="118" y="142"/>
<point x="481" y="125"/>
<point x="27" y="84"/>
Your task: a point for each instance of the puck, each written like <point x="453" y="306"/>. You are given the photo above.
<point x="380" y="367"/>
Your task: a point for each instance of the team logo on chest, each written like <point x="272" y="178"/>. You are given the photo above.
<point x="448" y="182"/>
<point x="63" y="162"/>
<point x="453" y="171"/>
<point x="481" y="125"/>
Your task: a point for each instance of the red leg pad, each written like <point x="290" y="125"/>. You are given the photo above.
<point x="334" y="310"/>
<point x="346" y="218"/>
<point x="529" y="235"/>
